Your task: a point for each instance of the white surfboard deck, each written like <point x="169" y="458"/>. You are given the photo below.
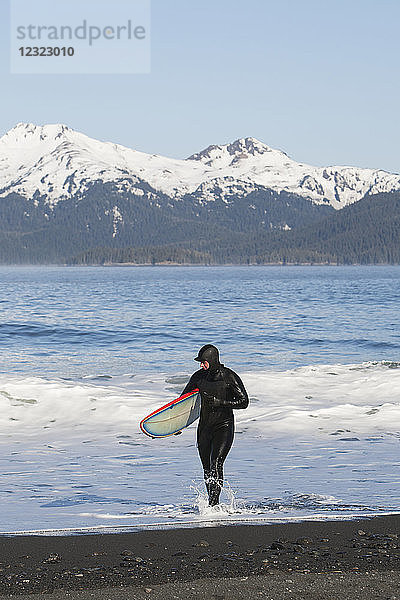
<point x="173" y="417"/>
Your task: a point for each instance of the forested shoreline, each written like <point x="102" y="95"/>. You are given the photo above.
<point x="263" y="228"/>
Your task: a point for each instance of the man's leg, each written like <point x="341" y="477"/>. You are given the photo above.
<point x="221" y="444"/>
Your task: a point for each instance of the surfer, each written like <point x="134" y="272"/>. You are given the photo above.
<point x="221" y="390"/>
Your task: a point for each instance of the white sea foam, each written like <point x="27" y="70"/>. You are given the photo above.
<point x="317" y="441"/>
<point x="309" y="400"/>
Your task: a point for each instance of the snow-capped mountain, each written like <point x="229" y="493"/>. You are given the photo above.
<point x="58" y="163"/>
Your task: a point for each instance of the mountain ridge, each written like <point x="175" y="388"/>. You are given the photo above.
<point x="56" y="162"/>
<point x="65" y="197"/>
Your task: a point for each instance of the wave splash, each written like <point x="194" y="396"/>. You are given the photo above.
<point x="342" y="401"/>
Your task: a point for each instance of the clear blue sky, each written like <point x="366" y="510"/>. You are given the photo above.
<point x="317" y="79"/>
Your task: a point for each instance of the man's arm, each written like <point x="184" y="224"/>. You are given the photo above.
<point x="239" y="397"/>
<point x="192" y="384"/>
<point x="236" y="393"/>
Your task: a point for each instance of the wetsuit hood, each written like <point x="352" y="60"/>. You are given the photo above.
<point x="210" y="354"/>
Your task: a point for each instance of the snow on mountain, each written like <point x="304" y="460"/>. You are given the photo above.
<point x="248" y="160"/>
<point x="57" y="162"/>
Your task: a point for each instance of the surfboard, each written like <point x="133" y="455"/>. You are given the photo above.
<point x="173" y="417"/>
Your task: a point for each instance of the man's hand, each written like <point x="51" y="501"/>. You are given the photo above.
<point x="212" y="401"/>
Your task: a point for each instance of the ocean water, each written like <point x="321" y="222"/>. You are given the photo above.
<point x="85" y="353"/>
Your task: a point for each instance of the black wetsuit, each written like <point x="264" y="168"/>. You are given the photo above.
<point x="221" y="390"/>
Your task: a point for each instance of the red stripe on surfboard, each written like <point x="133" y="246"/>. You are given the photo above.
<point x="167" y="406"/>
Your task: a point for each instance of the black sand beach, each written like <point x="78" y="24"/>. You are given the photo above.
<point x="316" y="560"/>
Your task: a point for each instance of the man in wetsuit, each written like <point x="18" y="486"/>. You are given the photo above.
<point x="221" y="390"/>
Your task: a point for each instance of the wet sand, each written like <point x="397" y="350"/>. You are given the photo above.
<point x="316" y="560"/>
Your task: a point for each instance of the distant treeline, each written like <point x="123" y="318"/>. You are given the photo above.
<point x="367" y="232"/>
<point x="106" y="226"/>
